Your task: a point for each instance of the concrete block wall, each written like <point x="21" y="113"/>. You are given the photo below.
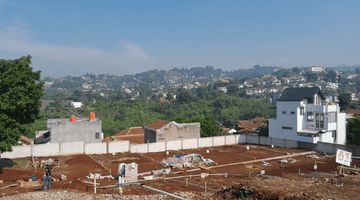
<point x="205" y="142"/>
<point x="265" y="140"/>
<point x="290" y="144"/>
<point x="18" y="152"/>
<point x="119" y="146"/>
<point x="230" y="139"/>
<point x="141" y="148"/>
<point x="95" y="148"/>
<point x="218" y="141"/>
<point x="173" y="145"/>
<point x="71" y="148"/>
<point x="327" y="147"/>
<point x="278" y="142"/>
<point x="51" y="149"/>
<point x="252" y="139"/>
<point x="156" y="147"/>
<point x="190" y="143"/>
<point x="241" y="139"/>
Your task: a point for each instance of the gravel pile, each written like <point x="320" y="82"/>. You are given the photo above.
<point x="86" y="196"/>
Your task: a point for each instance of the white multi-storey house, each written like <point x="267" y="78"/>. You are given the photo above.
<point x="303" y="114"/>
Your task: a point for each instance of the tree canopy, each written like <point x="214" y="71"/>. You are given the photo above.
<point x="354" y="131"/>
<point x="19" y="99"/>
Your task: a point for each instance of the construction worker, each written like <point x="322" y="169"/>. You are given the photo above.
<point x="33" y="178"/>
<point x="47" y="176"/>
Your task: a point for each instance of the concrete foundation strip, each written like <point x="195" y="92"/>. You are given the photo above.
<point x="191" y="184"/>
<point x="100" y="164"/>
<point x="253" y="161"/>
<point x="152" y="159"/>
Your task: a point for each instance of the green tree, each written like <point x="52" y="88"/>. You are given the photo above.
<point x="19" y="99"/>
<point x="344" y="101"/>
<point x="353" y="133"/>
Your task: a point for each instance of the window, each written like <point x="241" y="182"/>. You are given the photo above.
<point x="319" y="120"/>
<point x="310" y="100"/>
<point x="97" y="135"/>
<point x="293" y="112"/>
<point x="302" y="110"/>
<point x="310" y="116"/>
<point x="287" y="128"/>
<point x="181" y="136"/>
<point x="331" y="117"/>
<point x="284" y="112"/>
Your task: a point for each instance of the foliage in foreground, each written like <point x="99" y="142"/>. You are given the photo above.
<point x="19" y="99"/>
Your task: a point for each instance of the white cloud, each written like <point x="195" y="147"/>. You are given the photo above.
<point x="131" y="58"/>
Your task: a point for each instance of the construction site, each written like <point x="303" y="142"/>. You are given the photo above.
<point x="222" y="172"/>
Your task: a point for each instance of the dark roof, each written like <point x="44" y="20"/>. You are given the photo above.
<point x="299" y="94"/>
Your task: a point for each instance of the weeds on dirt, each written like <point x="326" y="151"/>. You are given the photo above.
<point x="327" y="195"/>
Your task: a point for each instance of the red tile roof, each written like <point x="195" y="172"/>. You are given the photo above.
<point x="135" y="135"/>
<point x="131" y="131"/>
<point x="157" y="124"/>
<point x="245" y="130"/>
<point x="259" y="119"/>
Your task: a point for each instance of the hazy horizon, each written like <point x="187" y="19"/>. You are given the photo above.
<point x="119" y="37"/>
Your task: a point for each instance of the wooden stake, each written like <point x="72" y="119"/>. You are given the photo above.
<point x="186" y="182"/>
<point x="205" y="187"/>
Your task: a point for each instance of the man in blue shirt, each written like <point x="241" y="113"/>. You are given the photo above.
<point x="47" y="176"/>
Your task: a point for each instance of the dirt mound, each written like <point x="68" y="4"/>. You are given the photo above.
<point x="241" y="191"/>
<point x="74" y="185"/>
<point x="12" y="175"/>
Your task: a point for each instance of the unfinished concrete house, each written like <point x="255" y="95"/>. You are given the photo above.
<point x="162" y="130"/>
<point x="64" y="130"/>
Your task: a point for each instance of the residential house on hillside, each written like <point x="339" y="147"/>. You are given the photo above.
<point x="254" y="91"/>
<point x="349" y="76"/>
<point x="303" y="114"/>
<point x="76" y="104"/>
<point x="252" y="124"/>
<point x="293" y="80"/>
<point x="315" y="69"/>
<point x="162" y="130"/>
<point x="135" y="135"/>
<point x="271" y="80"/>
<point x="224" y="89"/>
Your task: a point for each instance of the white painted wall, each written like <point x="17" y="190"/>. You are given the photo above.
<point x="71" y="148"/>
<point x="173" y="145"/>
<point x="157" y="147"/>
<point x="205" y="142"/>
<point x="190" y="143"/>
<point x="219" y="141"/>
<point x="46" y="149"/>
<point x="18" y="152"/>
<point x="119" y="146"/>
<point x="95" y="148"/>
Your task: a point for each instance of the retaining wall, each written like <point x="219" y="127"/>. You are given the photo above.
<point x="18" y="152"/>
<point x="290" y="144"/>
<point x="173" y="145"/>
<point x="71" y="148"/>
<point x="141" y="148"/>
<point x="51" y="149"/>
<point x="241" y="139"/>
<point x="252" y="139"/>
<point x="219" y="141"/>
<point x="156" y="147"/>
<point x="205" y="142"/>
<point x="119" y="146"/>
<point x="230" y="139"/>
<point x="265" y="141"/>
<point x="190" y="143"/>
<point x="95" y="148"/>
<point x="327" y="147"/>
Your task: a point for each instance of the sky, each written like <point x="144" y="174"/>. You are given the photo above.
<point x="73" y="38"/>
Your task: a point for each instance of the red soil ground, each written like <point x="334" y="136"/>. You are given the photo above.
<point x="77" y="167"/>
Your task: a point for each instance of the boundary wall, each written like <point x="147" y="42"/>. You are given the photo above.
<point x="54" y="149"/>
